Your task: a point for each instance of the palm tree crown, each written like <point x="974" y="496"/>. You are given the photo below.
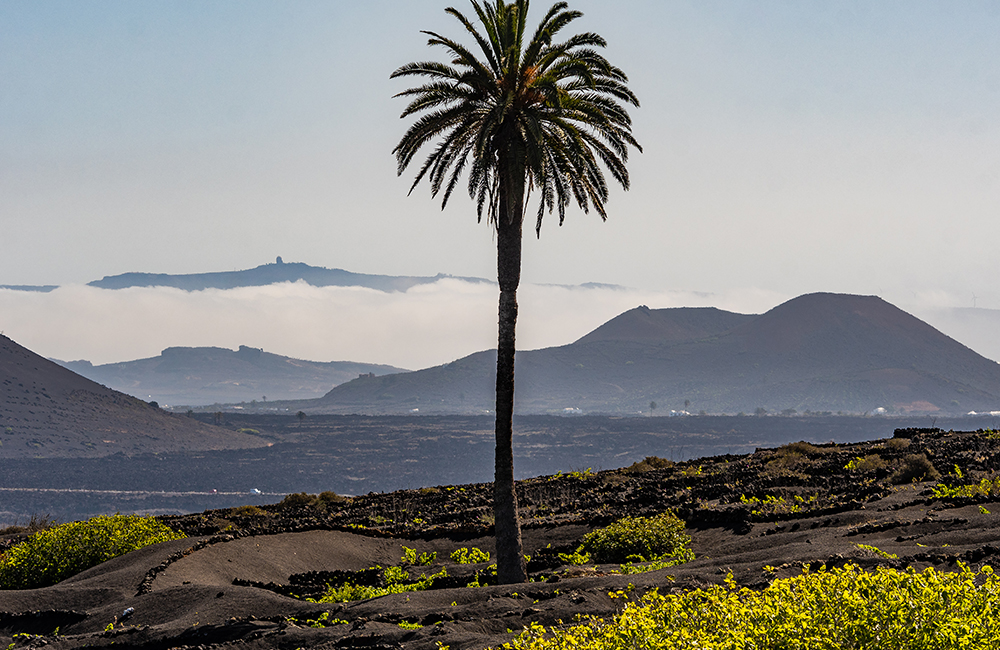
<point x="543" y="113"/>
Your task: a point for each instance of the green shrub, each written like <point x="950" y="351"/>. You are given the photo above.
<point x="770" y="504"/>
<point x="322" y="501"/>
<point x="984" y="488"/>
<point x="869" y="463"/>
<point x="328" y="498"/>
<point x="247" y="511"/>
<point x="298" y="500"/>
<point x="632" y="568"/>
<point x="802" y="447"/>
<point x="787" y="463"/>
<point x="648" y="464"/>
<point x="577" y="474"/>
<point x="57" y="553"/>
<point x="659" y="537"/>
<point x="841" y="608"/>
<point x="410" y="556"/>
<point x="469" y="556"/>
<point x="579" y="557"/>
<point x="876" y="552"/>
<point x="395" y="580"/>
<point x="915" y="467"/>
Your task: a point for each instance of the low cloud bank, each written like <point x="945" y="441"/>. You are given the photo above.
<point x="425" y="326"/>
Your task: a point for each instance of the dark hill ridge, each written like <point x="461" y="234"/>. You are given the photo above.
<point x="266" y="274"/>
<point x="40" y="288"/>
<point x="667" y="325"/>
<point x="209" y="375"/>
<point x="827" y="325"/>
<point x="49" y="411"/>
<point x="818" y="352"/>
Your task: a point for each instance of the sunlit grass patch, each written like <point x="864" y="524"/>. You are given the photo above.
<point x="396" y="582"/>
<point x="638" y="539"/>
<point x="886" y="609"/>
<point x="57" y="553"/>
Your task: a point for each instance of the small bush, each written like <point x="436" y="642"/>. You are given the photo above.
<point x="875" y="551"/>
<point x="869" y="463"/>
<point x="801" y="447"/>
<point x="897" y="443"/>
<point x="579" y="557"/>
<point x="661" y="537"/>
<point x="915" y="467"/>
<point x="247" y="511"/>
<point x="322" y="501"/>
<point x="57" y="553"/>
<point x="298" y="500"/>
<point x="395" y="580"/>
<point x="648" y="464"/>
<point x="770" y="504"/>
<point x="410" y="556"/>
<point x="792" y="459"/>
<point x="328" y="498"/>
<point x="469" y="556"/>
<point x="985" y="488"/>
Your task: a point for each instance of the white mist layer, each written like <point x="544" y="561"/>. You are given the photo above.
<point x="425" y="326"/>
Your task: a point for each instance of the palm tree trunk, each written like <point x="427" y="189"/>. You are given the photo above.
<point x="510" y="559"/>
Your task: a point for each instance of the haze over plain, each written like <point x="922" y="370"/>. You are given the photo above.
<point x="789" y="148"/>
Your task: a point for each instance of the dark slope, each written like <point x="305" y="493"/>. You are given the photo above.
<point x="854" y="353"/>
<point x="268" y="274"/>
<point x="49" y="411"/>
<point x="819" y="352"/>
<point x="199" y="376"/>
<point x="667" y="325"/>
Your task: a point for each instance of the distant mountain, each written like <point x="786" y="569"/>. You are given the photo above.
<point x="270" y="274"/>
<point x="39" y="288"/>
<point x="201" y="376"/>
<point x="818" y="352"/>
<point x="48" y="411"/>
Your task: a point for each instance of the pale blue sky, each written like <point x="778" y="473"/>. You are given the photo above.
<point x="790" y="146"/>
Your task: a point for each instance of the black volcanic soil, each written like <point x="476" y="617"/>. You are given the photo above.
<point x="226" y="584"/>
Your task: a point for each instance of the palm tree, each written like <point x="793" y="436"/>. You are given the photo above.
<point x="535" y="115"/>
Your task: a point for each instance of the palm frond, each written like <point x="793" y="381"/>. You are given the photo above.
<point x="552" y="114"/>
